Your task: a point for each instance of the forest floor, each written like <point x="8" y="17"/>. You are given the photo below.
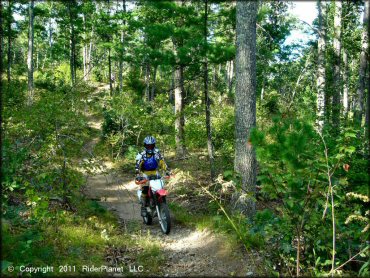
<point x="186" y="250"/>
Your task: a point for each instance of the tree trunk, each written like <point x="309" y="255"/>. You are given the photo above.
<point x="171" y="94"/>
<point x="1" y="74"/>
<point x="84" y="49"/>
<point x="120" y="74"/>
<point x="179" y="111"/>
<point x="9" y="41"/>
<point x="30" y="53"/>
<point x="206" y="98"/>
<point x="110" y="72"/>
<point x="89" y="65"/>
<point x="337" y="79"/>
<point x="152" y="93"/>
<point x="359" y="100"/>
<point x="245" y="104"/>
<point x="72" y="44"/>
<point x="321" y="77"/>
<point x="230" y="78"/>
<point x="345" y="84"/>
<point x="147" y="80"/>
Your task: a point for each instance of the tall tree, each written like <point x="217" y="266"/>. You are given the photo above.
<point x="71" y="11"/>
<point x="179" y="93"/>
<point x="345" y="83"/>
<point x="245" y="103"/>
<point x="337" y="63"/>
<point x="206" y="95"/>
<point x="30" y="52"/>
<point x="1" y="67"/>
<point x="359" y="100"/>
<point x="321" y="77"/>
<point x="9" y="21"/>
<point x="122" y="41"/>
<point x="179" y="111"/>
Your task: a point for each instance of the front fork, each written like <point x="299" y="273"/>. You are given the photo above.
<point x="159" y="215"/>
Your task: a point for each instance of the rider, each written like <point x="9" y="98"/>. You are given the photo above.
<point x="148" y="161"/>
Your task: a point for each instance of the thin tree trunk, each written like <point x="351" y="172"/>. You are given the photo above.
<point x="345" y="84"/>
<point x="245" y="104"/>
<point x="359" y="100"/>
<point x="110" y="72"/>
<point x="152" y="94"/>
<point x="37" y="58"/>
<point x="9" y="40"/>
<point x="206" y="97"/>
<point x="179" y="111"/>
<point x="89" y="65"/>
<point x="72" y="44"/>
<point x="147" y="81"/>
<point x="30" y="53"/>
<point x="321" y="77"/>
<point x="120" y="74"/>
<point x="337" y="61"/>
<point x="230" y="78"/>
<point x="171" y="95"/>
<point x="1" y="73"/>
<point x="263" y="89"/>
<point x="84" y="49"/>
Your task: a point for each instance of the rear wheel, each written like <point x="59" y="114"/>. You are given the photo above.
<point x="165" y="218"/>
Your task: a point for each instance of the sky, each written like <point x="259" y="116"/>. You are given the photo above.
<point x="306" y="11"/>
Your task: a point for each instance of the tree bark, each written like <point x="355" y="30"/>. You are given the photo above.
<point x="171" y="92"/>
<point x="321" y="77"/>
<point x="152" y="91"/>
<point x="84" y="49"/>
<point x="9" y="41"/>
<point x="2" y="128"/>
<point x="179" y="111"/>
<point x="72" y="44"/>
<point x="89" y="64"/>
<point x="345" y="84"/>
<point x="30" y="53"/>
<point x="245" y="104"/>
<point x="359" y="100"/>
<point x="147" y="80"/>
<point x="337" y="64"/>
<point x="120" y="73"/>
<point x="206" y="97"/>
<point x="110" y="72"/>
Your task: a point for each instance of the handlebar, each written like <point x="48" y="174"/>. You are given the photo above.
<point x="142" y="180"/>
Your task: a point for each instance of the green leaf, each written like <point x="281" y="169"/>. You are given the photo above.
<point x="350" y="134"/>
<point x="350" y="149"/>
<point x="228" y="174"/>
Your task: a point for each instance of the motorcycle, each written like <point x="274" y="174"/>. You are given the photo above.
<point x="157" y="205"/>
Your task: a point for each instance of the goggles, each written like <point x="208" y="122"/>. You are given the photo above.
<point x="149" y="146"/>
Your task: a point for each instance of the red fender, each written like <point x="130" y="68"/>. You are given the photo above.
<point x="161" y="193"/>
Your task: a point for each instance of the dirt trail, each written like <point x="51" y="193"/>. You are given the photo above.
<point x="187" y="251"/>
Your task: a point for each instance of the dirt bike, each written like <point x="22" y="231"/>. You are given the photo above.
<point x="157" y="205"/>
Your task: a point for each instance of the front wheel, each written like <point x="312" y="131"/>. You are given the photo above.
<point x="165" y="218"/>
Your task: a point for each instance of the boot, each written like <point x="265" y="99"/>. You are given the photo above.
<point x="144" y="204"/>
<point x="143" y="211"/>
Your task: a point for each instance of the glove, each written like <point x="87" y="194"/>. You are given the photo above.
<point x="168" y="173"/>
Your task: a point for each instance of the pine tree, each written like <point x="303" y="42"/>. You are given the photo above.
<point x="245" y="103"/>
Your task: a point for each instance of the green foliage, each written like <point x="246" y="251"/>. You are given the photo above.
<point x="293" y="173"/>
